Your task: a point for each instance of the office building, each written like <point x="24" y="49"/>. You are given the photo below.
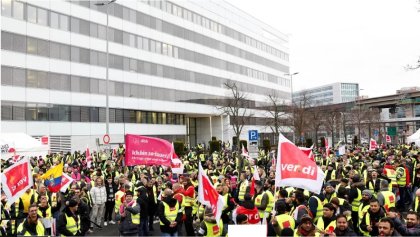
<point x="333" y="93"/>
<point x="168" y="62"/>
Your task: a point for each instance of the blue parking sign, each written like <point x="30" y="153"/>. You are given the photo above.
<point x="253" y="135"/>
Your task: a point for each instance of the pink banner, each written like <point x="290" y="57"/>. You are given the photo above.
<point x="141" y="150"/>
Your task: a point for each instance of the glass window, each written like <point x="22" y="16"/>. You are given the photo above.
<point x="64" y="52"/>
<point x="102" y="32"/>
<point x="75" y="113"/>
<point x="31" y="14"/>
<point x="32" y="79"/>
<point x="54" y="50"/>
<point x="6" y="76"/>
<point x="84" y="27"/>
<point x="6" y="111"/>
<point x="64" y="22"/>
<point x="146" y="44"/>
<point x="94" y="114"/>
<point x="93" y="57"/>
<point x="31" y="113"/>
<point x="84" y="56"/>
<point x="6" y="40"/>
<point x="32" y="45"/>
<point x="102" y="87"/>
<point x="6" y="7"/>
<point x="94" y="87"/>
<point x="18" y="111"/>
<point x="119" y="116"/>
<point x="19" y="43"/>
<point x="42" y="17"/>
<point x="43" y="80"/>
<point x="43" y="48"/>
<point x="152" y="46"/>
<point x="75" y="83"/>
<point x="42" y="113"/>
<point x="93" y="29"/>
<point x="112" y="115"/>
<point x="64" y="113"/>
<point x="102" y="115"/>
<point x="54" y="81"/>
<point x="119" y="89"/>
<point x="75" y="25"/>
<point x="65" y="84"/>
<point x="158" y="47"/>
<point x="75" y="54"/>
<point x="84" y="85"/>
<point x="53" y="113"/>
<point x="84" y="114"/>
<point x="19" y="77"/>
<point x="18" y="10"/>
<point x="102" y="59"/>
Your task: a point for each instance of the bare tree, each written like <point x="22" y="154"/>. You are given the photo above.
<point x="236" y="108"/>
<point x="298" y="114"/>
<point x="276" y="111"/>
<point x="315" y="117"/>
<point x="331" y="122"/>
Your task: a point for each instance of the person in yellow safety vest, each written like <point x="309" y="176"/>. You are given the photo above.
<point x="416" y="206"/>
<point x="119" y="197"/>
<point x="68" y="223"/>
<point x="374" y="183"/>
<point x="367" y="195"/>
<point x="44" y="211"/>
<point x="385" y="197"/>
<point x="316" y="205"/>
<point x="209" y="226"/>
<point x="169" y="213"/>
<point x="368" y="224"/>
<point x="31" y="226"/>
<point x="392" y="175"/>
<point x="330" y="173"/>
<point x="327" y="222"/>
<point x="128" y="216"/>
<point x="282" y="220"/>
<point x="270" y="187"/>
<point x="402" y="186"/>
<point x="355" y="195"/>
<point x="329" y="192"/>
<point x="260" y="199"/>
<point x="25" y="199"/>
<point x="243" y="187"/>
<point x="229" y="205"/>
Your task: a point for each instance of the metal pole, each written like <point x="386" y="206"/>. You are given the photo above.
<point x="107" y="74"/>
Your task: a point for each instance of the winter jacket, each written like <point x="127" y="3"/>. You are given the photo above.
<point x="126" y="225"/>
<point x="165" y="228"/>
<point x="110" y="192"/>
<point x="98" y="195"/>
<point x="404" y="230"/>
<point x="346" y="232"/>
<point x="142" y="202"/>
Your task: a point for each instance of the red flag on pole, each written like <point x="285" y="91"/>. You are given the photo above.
<point x="388" y="138"/>
<point x="17" y="179"/>
<point x="294" y="169"/>
<point x="373" y="144"/>
<point x="208" y="195"/>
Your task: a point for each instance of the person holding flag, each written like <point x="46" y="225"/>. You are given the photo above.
<point x="260" y="199"/>
<point x="209" y="226"/>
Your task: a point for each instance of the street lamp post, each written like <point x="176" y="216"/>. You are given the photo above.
<point x="106" y="4"/>
<point x="291" y="91"/>
<point x="291" y="83"/>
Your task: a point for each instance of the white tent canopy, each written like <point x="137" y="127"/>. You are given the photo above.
<point x="414" y="138"/>
<point x="22" y="144"/>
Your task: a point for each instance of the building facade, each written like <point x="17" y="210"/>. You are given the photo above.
<point x="334" y="93"/>
<point x="168" y="63"/>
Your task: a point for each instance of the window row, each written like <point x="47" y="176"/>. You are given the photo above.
<point x="46" y="80"/>
<point x="80" y="26"/>
<point x="64" y="113"/>
<point x="198" y="19"/>
<point x="19" y="43"/>
<point x="118" y="36"/>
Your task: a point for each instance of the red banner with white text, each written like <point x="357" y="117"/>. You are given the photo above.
<point x="142" y="150"/>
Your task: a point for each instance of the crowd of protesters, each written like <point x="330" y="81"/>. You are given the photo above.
<point x="365" y="193"/>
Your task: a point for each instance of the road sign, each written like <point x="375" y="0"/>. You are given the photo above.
<point x="253" y="135"/>
<point x="106" y="139"/>
<point x="392" y="131"/>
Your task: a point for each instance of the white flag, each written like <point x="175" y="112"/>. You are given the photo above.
<point x="342" y="150"/>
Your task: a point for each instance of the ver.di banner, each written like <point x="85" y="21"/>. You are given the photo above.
<point x="142" y="150"/>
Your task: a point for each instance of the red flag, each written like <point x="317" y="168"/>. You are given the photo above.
<point x="88" y="157"/>
<point x="294" y="169"/>
<point x="388" y="138"/>
<point x="308" y="152"/>
<point x="255" y="176"/>
<point x="16" y="180"/>
<point x="208" y="195"/>
<point x="372" y="144"/>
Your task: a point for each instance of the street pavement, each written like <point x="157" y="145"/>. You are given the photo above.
<point x="112" y="230"/>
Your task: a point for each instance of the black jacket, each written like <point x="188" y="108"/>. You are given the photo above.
<point x="110" y="198"/>
<point x="165" y="228"/>
<point x="374" y="218"/>
<point x="142" y="200"/>
<point x="62" y="222"/>
<point x="346" y="232"/>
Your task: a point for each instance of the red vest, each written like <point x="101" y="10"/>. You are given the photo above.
<point x="253" y="215"/>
